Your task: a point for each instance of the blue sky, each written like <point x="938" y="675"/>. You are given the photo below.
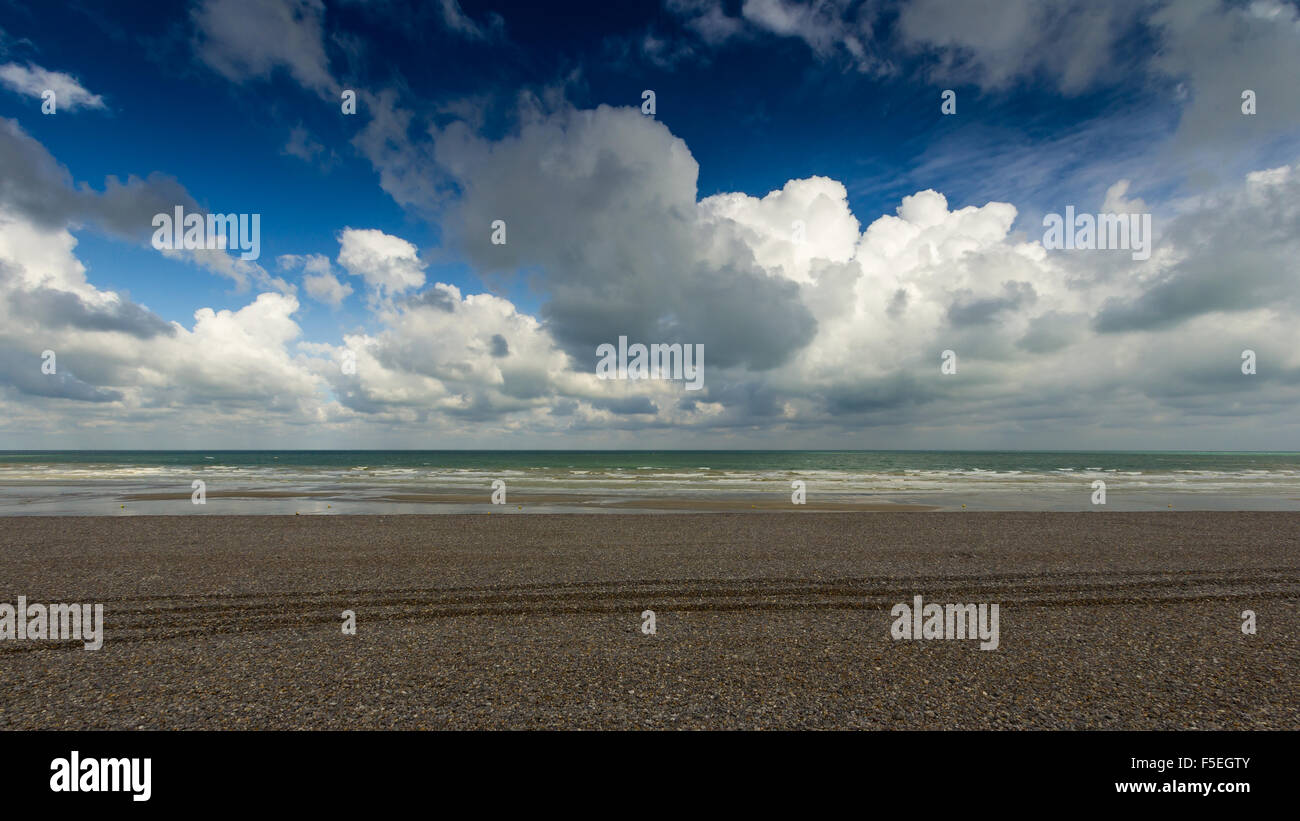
<point x="757" y="114"/>
<point x="236" y="104"/>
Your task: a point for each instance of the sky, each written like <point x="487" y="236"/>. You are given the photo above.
<point x="844" y="202"/>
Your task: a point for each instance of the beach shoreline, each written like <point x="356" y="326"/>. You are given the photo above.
<point x="763" y="620"/>
<point x="224" y="483"/>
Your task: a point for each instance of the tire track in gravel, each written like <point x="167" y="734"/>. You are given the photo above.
<point x="133" y="620"/>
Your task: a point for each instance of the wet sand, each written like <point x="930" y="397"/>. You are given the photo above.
<point x="763" y="620"/>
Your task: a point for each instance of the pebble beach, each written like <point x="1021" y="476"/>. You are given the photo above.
<point x="762" y="620"/>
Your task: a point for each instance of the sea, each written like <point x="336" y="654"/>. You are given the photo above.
<point x="331" y="482"/>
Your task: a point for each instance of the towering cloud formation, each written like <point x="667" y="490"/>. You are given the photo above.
<point x="822" y="327"/>
<point x="811" y="322"/>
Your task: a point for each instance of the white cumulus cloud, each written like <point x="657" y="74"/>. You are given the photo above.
<point x="34" y="81"/>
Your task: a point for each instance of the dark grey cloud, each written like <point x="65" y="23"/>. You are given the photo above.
<point x="22" y="371"/>
<point x="483" y="407"/>
<point x="36" y="186"/>
<point x="971" y="310"/>
<point x="525" y="383"/>
<point x="1053" y="331"/>
<point x="1239" y="255"/>
<point x="996" y="43"/>
<point x="895" y="392"/>
<point x="432" y="298"/>
<point x="600" y="210"/>
<point x="61" y="309"/>
<point x="745" y="401"/>
<point x="897" y="303"/>
<point x="352" y="396"/>
<point x="627" y="405"/>
<point x="41" y="190"/>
